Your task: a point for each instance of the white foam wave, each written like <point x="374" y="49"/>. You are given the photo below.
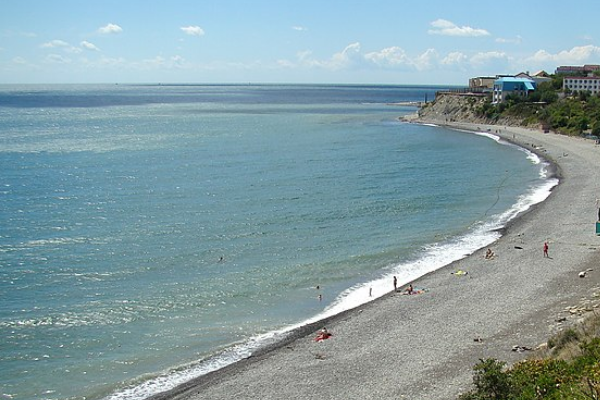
<point x="72" y="319"/>
<point x="45" y="242"/>
<point x="177" y="376"/>
<point x="489" y="135"/>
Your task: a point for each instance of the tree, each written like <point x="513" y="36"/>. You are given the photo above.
<point x="546" y="92"/>
<point x="557" y="82"/>
<point x="490" y="380"/>
<point x="596" y="128"/>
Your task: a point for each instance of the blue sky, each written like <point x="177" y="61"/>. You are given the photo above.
<point x="290" y="41"/>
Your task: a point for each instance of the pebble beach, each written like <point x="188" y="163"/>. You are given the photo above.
<point x="424" y="346"/>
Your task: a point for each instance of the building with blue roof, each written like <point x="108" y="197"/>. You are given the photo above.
<point x="511" y="85"/>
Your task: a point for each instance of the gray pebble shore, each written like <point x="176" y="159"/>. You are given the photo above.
<point x="425" y="346"/>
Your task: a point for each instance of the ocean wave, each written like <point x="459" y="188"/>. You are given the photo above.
<point x="74" y="319"/>
<point x="51" y="242"/>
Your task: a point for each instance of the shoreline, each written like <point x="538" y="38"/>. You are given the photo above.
<point x="424" y="346"/>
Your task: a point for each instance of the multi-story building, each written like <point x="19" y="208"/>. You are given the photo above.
<point x="577" y="70"/>
<point x="511" y="85"/>
<point x="582" y="84"/>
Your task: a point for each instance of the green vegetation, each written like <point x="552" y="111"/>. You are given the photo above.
<point x="570" y="369"/>
<point x="566" y="112"/>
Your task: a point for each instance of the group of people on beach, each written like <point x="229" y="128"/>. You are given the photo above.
<point x="409" y="289"/>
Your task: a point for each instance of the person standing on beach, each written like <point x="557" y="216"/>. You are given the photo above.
<point x="546" y="249"/>
<point x="395" y="284"/>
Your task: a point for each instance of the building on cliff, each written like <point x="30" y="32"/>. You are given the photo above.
<point x="482" y="83"/>
<point x="582" y="84"/>
<point x="577" y="70"/>
<point x="506" y="86"/>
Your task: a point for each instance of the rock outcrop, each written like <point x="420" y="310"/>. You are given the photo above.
<point x="451" y="107"/>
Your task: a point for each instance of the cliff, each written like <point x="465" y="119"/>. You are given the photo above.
<point x="460" y="107"/>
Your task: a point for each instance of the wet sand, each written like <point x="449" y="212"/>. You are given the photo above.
<point x="425" y="346"/>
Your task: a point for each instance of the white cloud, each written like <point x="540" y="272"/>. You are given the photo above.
<point x="193" y="30"/>
<point x="389" y="57"/>
<point x="110" y="28"/>
<point x="517" y="40"/>
<point x="89" y="46"/>
<point x="19" y="61"/>
<point x="160" y="62"/>
<point x="490" y="57"/>
<point x="60" y="44"/>
<point x="57" y="59"/>
<point x="285" y="64"/>
<point x="447" y="28"/>
<point x="396" y="57"/>
<point x="427" y="60"/>
<point x="155" y="62"/>
<point x="20" y="64"/>
<point x="179" y="62"/>
<point x="577" y="55"/>
<point x="454" y="58"/>
<point x="53" y="44"/>
<point x="299" y="28"/>
<point x="348" y="56"/>
<point x="112" y="62"/>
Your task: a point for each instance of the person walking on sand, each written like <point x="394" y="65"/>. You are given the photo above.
<point x="546" y="250"/>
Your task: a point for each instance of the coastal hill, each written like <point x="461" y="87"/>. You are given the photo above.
<point x="551" y="108"/>
<point x="467" y="108"/>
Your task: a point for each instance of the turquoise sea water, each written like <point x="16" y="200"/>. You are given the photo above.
<point x="150" y="234"/>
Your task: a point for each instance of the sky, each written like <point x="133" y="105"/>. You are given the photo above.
<point x="291" y="41"/>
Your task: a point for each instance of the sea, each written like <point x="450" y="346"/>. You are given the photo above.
<point x="150" y="234"/>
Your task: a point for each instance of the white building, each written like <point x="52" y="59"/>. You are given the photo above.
<point x="482" y="82"/>
<point x="582" y="84"/>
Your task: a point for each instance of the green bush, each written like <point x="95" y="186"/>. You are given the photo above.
<point x="490" y="381"/>
<point x="552" y="379"/>
<point x="576" y="114"/>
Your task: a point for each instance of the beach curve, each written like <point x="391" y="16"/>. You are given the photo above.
<point x="425" y="346"/>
